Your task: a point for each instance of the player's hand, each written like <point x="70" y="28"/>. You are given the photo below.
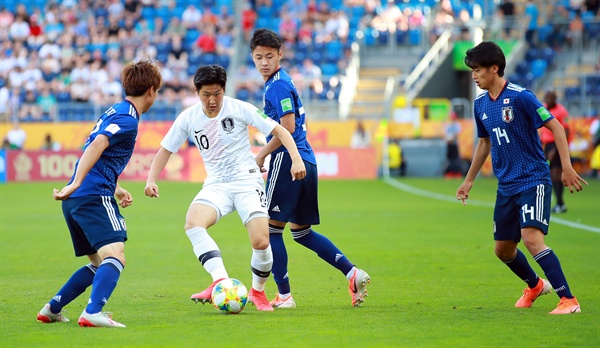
<point x="572" y="180"/>
<point x="64" y="193"/>
<point x="124" y="197"/>
<point x="151" y="190"/>
<point x="462" y="193"/>
<point x="298" y="170"/>
<point x="260" y="162"/>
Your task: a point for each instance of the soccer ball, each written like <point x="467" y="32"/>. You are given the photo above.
<point x="229" y="296"/>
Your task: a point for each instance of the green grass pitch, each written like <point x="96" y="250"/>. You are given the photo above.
<point x="435" y="278"/>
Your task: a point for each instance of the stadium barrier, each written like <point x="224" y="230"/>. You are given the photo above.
<point x="185" y="165"/>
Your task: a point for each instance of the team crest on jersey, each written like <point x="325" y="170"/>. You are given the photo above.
<point x="507" y="114"/>
<point x="227" y="124"/>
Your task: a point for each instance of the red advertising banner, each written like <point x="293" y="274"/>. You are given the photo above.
<point x="185" y="165"/>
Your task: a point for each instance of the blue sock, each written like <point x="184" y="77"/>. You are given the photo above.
<point x="75" y="286"/>
<point x="280" y="260"/>
<point x="324" y="248"/>
<point x="104" y="284"/>
<point x="522" y="269"/>
<point x="548" y="260"/>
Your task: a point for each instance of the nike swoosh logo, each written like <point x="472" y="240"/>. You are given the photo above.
<point x="196" y="132"/>
<point x="575" y="310"/>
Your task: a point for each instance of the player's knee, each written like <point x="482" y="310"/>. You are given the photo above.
<point x="300" y="232"/>
<point x="260" y="244"/>
<point x="504" y="254"/>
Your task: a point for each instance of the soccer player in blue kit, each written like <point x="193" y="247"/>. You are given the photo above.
<point x="507" y="118"/>
<point x="295" y="202"/>
<point x="97" y="227"/>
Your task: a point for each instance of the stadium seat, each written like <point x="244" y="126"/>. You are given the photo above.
<point x="329" y="69"/>
<point x="531" y="54"/>
<point x="414" y="36"/>
<point x="538" y="68"/>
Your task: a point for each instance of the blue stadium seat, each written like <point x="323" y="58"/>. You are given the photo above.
<point x="329" y="69"/>
<point x="223" y="60"/>
<point x="538" y="68"/>
<point x="531" y="54"/>
<point x="414" y="36"/>
<point x="522" y="68"/>
<point x="148" y="13"/>
<point x="382" y="39"/>
<point x="209" y="58"/>
<point x="243" y="94"/>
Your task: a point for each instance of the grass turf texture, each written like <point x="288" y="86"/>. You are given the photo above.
<point x="436" y="280"/>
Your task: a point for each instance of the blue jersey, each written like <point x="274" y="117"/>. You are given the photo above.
<point x="120" y="124"/>
<point x="512" y="121"/>
<point x="280" y="99"/>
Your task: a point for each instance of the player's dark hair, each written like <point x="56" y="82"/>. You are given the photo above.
<point x="266" y="38"/>
<point x="485" y="55"/>
<point x="210" y="75"/>
<point x="138" y="77"/>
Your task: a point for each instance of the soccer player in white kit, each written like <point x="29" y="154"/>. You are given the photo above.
<point x="219" y="127"/>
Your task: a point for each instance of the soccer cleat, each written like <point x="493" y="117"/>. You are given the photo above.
<point x="567" y="306"/>
<point x="206" y="295"/>
<point x="259" y="299"/>
<point x="46" y="316"/>
<point x="287" y="303"/>
<point x="543" y="287"/>
<point x="357" y="286"/>
<point x="100" y="319"/>
<point x="559" y="209"/>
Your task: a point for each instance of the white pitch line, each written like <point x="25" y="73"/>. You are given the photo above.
<point x="428" y="194"/>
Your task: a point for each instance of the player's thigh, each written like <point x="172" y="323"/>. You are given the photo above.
<point x="99" y="219"/>
<point x="534" y="206"/>
<point x="249" y="199"/>
<point x="210" y="204"/>
<point x="307" y="205"/>
<point x="282" y="193"/>
<point x="506" y="219"/>
<point x="81" y="245"/>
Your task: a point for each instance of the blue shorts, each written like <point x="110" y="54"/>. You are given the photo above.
<point x="94" y="221"/>
<point x="529" y="208"/>
<point x="292" y="201"/>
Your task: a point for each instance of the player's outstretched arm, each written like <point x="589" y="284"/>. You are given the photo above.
<point x="158" y="163"/>
<point x="87" y="161"/>
<point x="482" y="151"/>
<point x="569" y="176"/>
<point x="298" y="170"/>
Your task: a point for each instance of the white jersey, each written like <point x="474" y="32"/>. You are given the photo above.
<point x="223" y="140"/>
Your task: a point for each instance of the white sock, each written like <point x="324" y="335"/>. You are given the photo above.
<point x="262" y="261"/>
<point x="207" y="252"/>
<point x="351" y="273"/>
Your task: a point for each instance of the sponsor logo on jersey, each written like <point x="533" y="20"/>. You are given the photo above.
<point x="286" y="104"/>
<point x="543" y="112"/>
<point x="227" y="124"/>
<point x="507" y="114"/>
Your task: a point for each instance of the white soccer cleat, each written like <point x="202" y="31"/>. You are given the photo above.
<point x="46" y="316"/>
<point x="357" y="286"/>
<point x="287" y="303"/>
<point x="99" y="319"/>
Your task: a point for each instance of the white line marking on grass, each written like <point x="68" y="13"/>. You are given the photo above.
<point x="428" y="194"/>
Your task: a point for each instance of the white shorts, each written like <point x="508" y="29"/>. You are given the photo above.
<point x="246" y="196"/>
